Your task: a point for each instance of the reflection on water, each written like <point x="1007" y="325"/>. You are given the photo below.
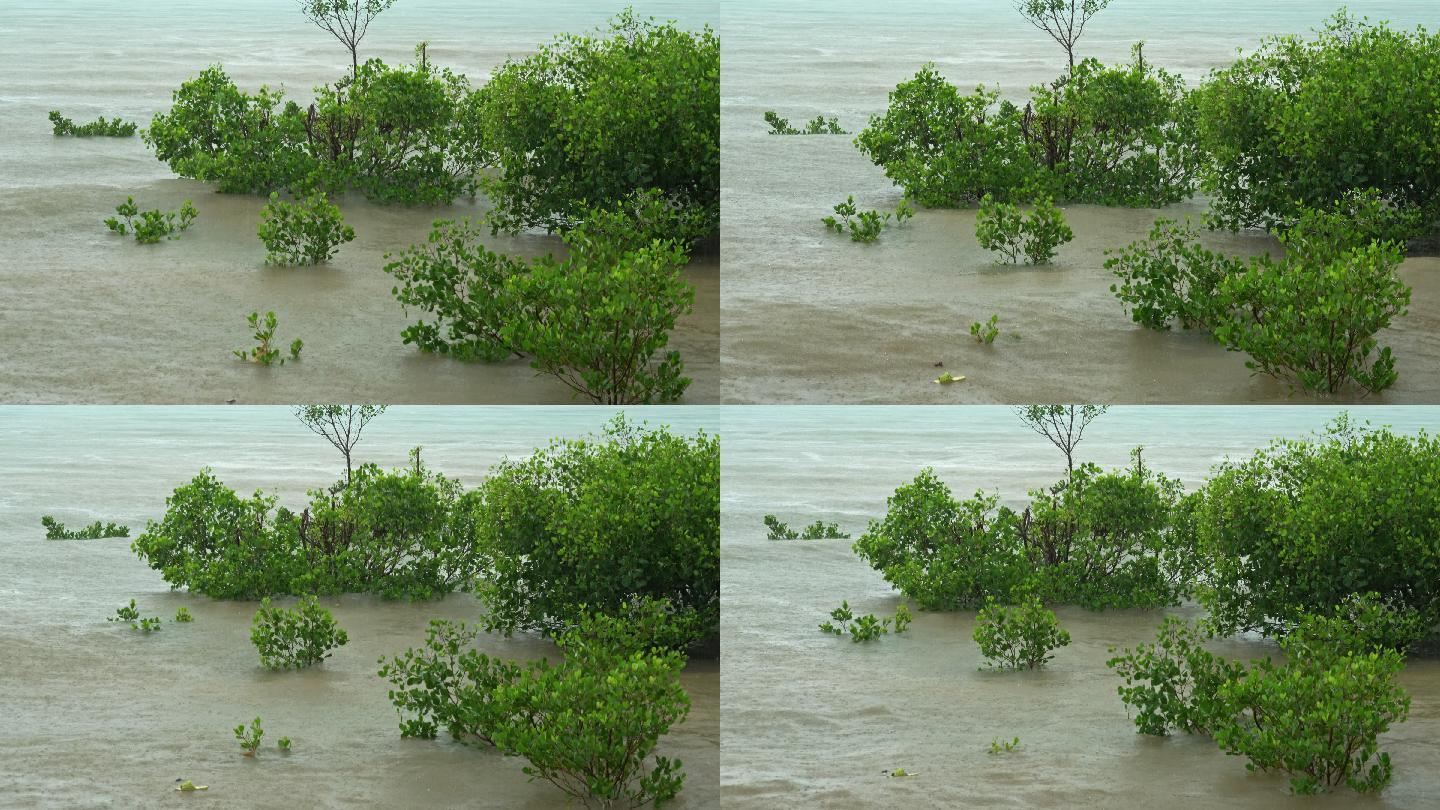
<point x="810" y="715"/>
<point x="99" y="715"/>
<point x="812" y="317"/>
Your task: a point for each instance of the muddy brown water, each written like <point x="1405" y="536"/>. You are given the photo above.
<point x="810" y="317"/>
<point x="98" y="715"/>
<point x="814" y="720"/>
<point x="88" y="316"/>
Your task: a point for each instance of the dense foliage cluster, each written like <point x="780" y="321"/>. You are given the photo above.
<point x="596" y="524"/>
<point x="589" y="725"/>
<point x="1119" y="136"/>
<point x="306" y="231"/>
<point x="1302" y="525"/>
<point x="295" y="638"/>
<point x="55" y="530"/>
<point x="1098" y="539"/>
<point x="402" y="534"/>
<point x="1309" y="319"/>
<point x="1301" y="122"/>
<point x="398" y="134"/>
<point x="1317" y="716"/>
<point x="595" y="320"/>
<point x="589" y="120"/>
<point x="1020" y="636"/>
<point x="113" y="128"/>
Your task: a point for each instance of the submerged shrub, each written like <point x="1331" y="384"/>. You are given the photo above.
<point x="1303" y="525"/>
<point x="403" y="534"/>
<point x="1099" y="540"/>
<point x="865" y="628"/>
<point x="149" y="227"/>
<point x="397" y="133"/>
<point x="308" y="231"/>
<point x="113" y="128"/>
<point x="1305" y="121"/>
<point x="591" y="525"/>
<point x="1020" y="636"/>
<point x="594" y="320"/>
<point x="295" y="638"/>
<point x="1116" y="136"/>
<point x="819" y="530"/>
<point x="589" y="120"/>
<point x="820" y="125"/>
<point x="864" y="226"/>
<point x="1174" y="682"/>
<point x="1309" y="319"/>
<point x="588" y="725"/>
<point x="1001" y="227"/>
<point x="55" y="530"/>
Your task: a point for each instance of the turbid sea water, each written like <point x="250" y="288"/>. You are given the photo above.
<point x="814" y="720"/>
<point x="99" y="715"/>
<point x="810" y="317"/>
<point x="88" y="316"/>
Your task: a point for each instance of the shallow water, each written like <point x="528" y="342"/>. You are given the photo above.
<point x="90" y="317"/>
<point x="813" y="719"/>
<point x="98" y="715"/>
<point x="811" y="317"/>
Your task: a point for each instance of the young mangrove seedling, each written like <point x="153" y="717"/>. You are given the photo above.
<point x="867" y="627"/>
<point x="149" y="227"/>
<point x="864" y="226"/>
<point x="182" y="614"/>
<point x="249" y="738"/>
<point x="264" y="352"/>
<point x="987" y="332"/>
<point x="284" y="744"/>
<point x="126" y="614"/>
<point x="999" y="746"/>
<point x="149" y="625"/>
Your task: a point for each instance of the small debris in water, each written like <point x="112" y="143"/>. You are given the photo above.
<point x="188" y="785"/>
<point x="947" y="378"/>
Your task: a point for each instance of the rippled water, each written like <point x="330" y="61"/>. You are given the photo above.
<point x="815" y="719"/>
<point x="97" y="715"/>
<point x="90" y="317"/>
<point x="810" y="317"/>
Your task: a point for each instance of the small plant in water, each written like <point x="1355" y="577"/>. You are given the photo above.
<point x="182" y="615"/>
<point x="284" y="744"/>
<point x="249" y="738"/>
<point x="867" y="627"/>
<point x="55" y="530"/>
<point x="128" y="613"/>
<point x="148" y="625"/>
<point x="864" y="226"/>
<point x="264" y="352"/>
<point x="987" y="332"/>
<point x="113" y="128"/>
<point x="150" y="227"/>
<point x="308" y="231"/>
<point x="1020" y="636"/>
<point x="999" y="746"/>
<point x="819" y="530"/>
<point x="1001" y="227"/>
<point x="295" y="638"/>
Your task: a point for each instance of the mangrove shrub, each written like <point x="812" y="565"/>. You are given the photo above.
<point x="590" y="119"/>
<point x="1304" y="121"/>
<point x="594" y="524"/>
<point x="295" y="638"/>
<point x="307" y="231"/>
<point x="1302" y="525"/>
